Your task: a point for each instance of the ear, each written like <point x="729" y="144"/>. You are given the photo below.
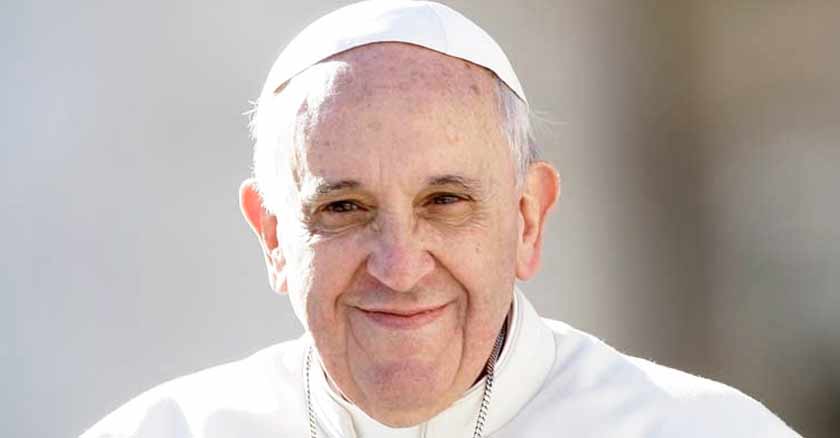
<point x="540" y="191"/>
<point x="264" y="225"/>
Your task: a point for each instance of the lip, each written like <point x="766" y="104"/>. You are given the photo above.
<point x="404" y="318"/>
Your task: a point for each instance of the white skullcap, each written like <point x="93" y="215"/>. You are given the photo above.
<point x="423" y="23"/>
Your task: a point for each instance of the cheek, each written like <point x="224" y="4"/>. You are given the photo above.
<point x="495" y="244"/>
<point x="482" y="263"/>
<point x="482" y="259"/>
<point x="328" y="268"/>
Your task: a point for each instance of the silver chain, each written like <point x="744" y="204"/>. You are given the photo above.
<point x="489" y="372"/>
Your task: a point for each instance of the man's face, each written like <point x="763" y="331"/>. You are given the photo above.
<point x="400" y="237"/>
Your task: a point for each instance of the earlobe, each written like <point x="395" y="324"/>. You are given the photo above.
<point x="264" y="225"/>
<point x="540" y="192"/>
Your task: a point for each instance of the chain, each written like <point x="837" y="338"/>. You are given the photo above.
<point x="313" y="431"/>
<point x="489" y="372"/>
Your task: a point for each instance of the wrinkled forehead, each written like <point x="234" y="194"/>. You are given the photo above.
<point x="386" y="77"/>
<point x="364" y="74"/>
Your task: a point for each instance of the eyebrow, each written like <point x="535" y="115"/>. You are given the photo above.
<point x="467" y="184"/>
<point x="327" y="187"/>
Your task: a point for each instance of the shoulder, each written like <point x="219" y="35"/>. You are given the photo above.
<point x="703" y="407"/>
<point x="652" y="400"/>
<point x="266" y="381"/>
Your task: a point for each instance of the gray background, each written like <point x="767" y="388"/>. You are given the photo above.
<point x="699" y="224"/>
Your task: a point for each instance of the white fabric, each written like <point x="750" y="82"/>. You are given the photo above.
<point x="552" y="380"/>
<point x="427" y="24"/>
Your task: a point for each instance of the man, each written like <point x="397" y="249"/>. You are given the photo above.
<point x="397" y="198"/>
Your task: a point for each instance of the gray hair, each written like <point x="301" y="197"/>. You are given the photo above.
<point x="517" y="129"/>
<point x="266" y="127"/>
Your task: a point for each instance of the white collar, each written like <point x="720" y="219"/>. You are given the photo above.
<point x="527" y="357"/>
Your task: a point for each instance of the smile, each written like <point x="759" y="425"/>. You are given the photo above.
<point x="405" y="319"/>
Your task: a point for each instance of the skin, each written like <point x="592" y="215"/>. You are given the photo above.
<point x="405" y="227"/>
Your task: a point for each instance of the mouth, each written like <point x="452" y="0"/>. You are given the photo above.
<point x="404" y="318"/>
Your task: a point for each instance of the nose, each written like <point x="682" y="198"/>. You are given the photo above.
<point x="399" y="258"/>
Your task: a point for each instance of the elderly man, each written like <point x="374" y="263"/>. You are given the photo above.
<point x="397" y="197"/>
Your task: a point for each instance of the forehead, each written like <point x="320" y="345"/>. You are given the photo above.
<point x="403" y="108"/>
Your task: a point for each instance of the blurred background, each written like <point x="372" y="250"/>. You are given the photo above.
<point x="698" y="141"/>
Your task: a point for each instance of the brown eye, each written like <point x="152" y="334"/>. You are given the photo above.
<point x="340" y="215"/>
<point x="449" y="208"/>
<point x="341" y="207"/>
<point x="445" y="199"/>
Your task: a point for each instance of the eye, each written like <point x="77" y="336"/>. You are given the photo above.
<point x="337" y="216"/>
<point x="447" y="207"/>
<point x="341" y="207"/>
<point x="445" y="199"/>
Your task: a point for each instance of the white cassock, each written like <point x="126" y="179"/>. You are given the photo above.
<point x="551" y="381"/>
